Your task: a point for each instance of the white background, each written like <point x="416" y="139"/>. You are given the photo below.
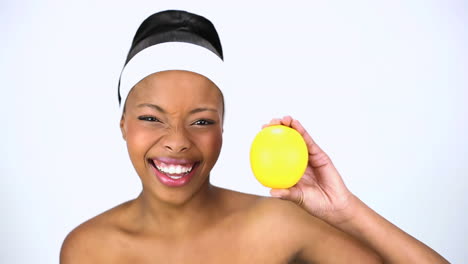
<point x="380" y="85"/>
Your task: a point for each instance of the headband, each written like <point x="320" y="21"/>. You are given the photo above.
<point x="170" y="56"/>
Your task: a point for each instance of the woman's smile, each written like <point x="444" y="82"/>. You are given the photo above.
<point x="173" y="172"/>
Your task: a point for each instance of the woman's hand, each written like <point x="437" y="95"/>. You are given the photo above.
<point x="321" y="190"/>
<point x="322" y="193"/>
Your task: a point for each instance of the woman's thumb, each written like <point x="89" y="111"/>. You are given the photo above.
<point x="293" y="194"/>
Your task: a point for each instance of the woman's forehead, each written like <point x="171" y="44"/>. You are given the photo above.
<point x="169" y="85"/>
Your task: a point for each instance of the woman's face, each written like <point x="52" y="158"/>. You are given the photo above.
<point x="173" y="128"/>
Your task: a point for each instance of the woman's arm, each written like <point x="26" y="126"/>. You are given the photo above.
<point x="322" y="192"/>
<point x="389" y="241"/>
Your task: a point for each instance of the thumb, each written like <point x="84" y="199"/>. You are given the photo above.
<point x="293" y="194"/>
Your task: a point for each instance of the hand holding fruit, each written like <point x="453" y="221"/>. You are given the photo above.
<point x="321" y="190"/>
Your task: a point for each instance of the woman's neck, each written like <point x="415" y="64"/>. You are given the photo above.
<point x="163" y="218"/>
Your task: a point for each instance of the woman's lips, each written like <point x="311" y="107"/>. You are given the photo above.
<point x="173" y="172"/>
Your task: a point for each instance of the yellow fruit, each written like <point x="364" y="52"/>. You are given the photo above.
<point x="278" y="156"/>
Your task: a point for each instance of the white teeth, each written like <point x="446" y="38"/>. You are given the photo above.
<point x="174" y="169"/>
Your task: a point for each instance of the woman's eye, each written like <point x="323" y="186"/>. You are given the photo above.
<point x="203" y="122"/>
<point x="148" y="118"/>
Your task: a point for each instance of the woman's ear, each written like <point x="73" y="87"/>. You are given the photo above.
<point x="122" y="127"/>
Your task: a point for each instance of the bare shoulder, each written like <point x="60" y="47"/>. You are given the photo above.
<point x="262" y="215"/>
<point x="262" y="208"/>
<point x="91" y="241"/>
<point x="279" y="207"/>
<point x="285" y="215"/>
<point x="312" y="239"/>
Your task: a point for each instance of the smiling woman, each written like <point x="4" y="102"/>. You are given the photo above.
<point x="172" y="121"/>
<point x="167" y="133"/>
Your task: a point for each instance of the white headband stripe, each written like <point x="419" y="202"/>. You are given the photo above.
<point x="170" y="56"/>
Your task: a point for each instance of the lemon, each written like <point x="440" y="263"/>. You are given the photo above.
<point x="278" y="156"/>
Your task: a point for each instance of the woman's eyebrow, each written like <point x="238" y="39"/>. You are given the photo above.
<point x="193" y="111"/>
<point x="155" y="107"/>
<point x="202" y="109"/>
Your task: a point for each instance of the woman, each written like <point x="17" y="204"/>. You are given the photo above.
<point x="172" y="122"/>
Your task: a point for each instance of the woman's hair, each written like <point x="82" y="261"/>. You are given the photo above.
<point x="174" y="26"/>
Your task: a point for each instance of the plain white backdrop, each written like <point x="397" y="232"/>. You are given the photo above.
<point x="380" y="85"/>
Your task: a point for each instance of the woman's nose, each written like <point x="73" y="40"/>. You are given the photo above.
<point x="176" y="141"/>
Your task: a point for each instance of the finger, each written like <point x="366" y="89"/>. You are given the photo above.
<point x="292" y="194"/>
<point x="287" y="121"/>
<point x="317" y="157"/>
<point x="273" y="122"/>
<point x="311" y="145"/>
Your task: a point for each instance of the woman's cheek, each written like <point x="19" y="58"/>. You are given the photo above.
<point x="213" y="142"/>
<point x="138" y="144"/>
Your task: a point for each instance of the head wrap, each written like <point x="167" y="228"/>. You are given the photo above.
<point x="172" y="40"/>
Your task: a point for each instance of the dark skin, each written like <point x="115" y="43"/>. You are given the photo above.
<point x="179" y="114"/>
